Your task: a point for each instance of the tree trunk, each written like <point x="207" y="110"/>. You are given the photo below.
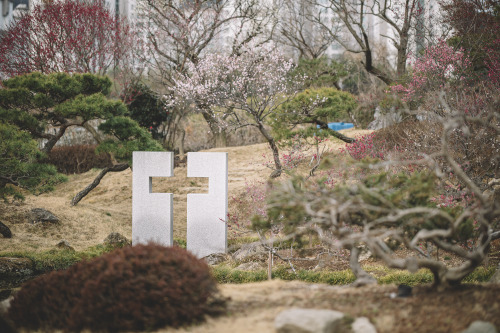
<point x="402" y="57"/>
<point x="220" y="138"/>
<point x="97" y="180"/>
<point x="53" y="140"/>
<point x="369" y="63"/>
<point x="182" y="153"/>
<point x="324" y="126"/>
<point x="276" y="155"/>
<point x="362" y="277"/>
<point x="218" y="134"/>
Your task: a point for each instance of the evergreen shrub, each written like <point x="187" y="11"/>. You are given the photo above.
<point x="138" y="288"/>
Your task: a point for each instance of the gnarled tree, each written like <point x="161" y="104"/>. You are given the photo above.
<point x="47" y="105"/>
<point x="182" y="32"/>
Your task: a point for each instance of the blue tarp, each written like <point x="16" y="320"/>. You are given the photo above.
<point x="340" y="126"/>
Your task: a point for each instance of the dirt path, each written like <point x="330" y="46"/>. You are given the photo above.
<point x="254" y="306"/>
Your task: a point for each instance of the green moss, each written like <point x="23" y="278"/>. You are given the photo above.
<point x="480" y="274"/>
<point x="180" y="242"/>
<point x="227" y="274"/>
<point x="236" y="243"/>
<point x="59" y="259"/>
<point x="404" y="277"/>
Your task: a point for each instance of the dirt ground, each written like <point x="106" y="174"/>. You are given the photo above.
<point x="252" y="307"/>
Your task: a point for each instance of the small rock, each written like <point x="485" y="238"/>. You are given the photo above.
<point x="308" y="321"/>
<point x="16" y="267"/>
<point x="64" y="245"/>
<point x="40" y="215"/>
<point x="248" y="250"/>
<point x="480" y="327"/>
<point x="363" y="325"/>
<point x="494" y="182"/>
<point x="496" y="277"/>
<point x="404" y="290"/>
<point x="250" y="266"/>
<point x="216" y="258"/>
<point x="365" y="255"/>
<point x="116" y="239"/>
<point x="5" y="305"/>
<point x="5" y="231"/>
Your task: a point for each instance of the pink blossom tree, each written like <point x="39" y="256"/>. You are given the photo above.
<point x="240" y="91"/>
<point x="439" y="66"/>
<point x="182" y="32"/>
<point x="64" y="36"/>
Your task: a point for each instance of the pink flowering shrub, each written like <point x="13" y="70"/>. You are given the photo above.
<point x="493" y="62"/>
<point x="242" y="207"/>
<point x="439" y="65"/>
<point x="363" y="147"/>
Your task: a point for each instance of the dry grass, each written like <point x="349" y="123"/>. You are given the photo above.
<point x="108" y="208"/>
<point x="252" y="306"/>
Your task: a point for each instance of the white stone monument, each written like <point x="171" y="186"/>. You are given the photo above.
<point x="206" y="213"/>
<point x="152" y="213"/>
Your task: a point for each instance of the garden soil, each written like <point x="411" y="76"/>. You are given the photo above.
<point x="251" y="307"/>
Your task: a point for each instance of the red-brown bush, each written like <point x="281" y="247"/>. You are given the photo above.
<point x="477" y="152"/>
<point x="77" y="159"/>
<point x="136" y="288"/>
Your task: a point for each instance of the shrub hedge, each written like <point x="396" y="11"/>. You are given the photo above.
<point x="77" y="159"/>
<point x="138" y="288"/>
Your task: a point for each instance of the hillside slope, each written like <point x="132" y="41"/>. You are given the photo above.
<point x="108" y="207"/>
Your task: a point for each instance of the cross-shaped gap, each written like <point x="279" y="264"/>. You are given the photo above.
<point x="180" y="184"/>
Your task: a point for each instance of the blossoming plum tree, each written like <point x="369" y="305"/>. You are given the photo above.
<point x="182" y="32"/>
<point x="241" y="91"/>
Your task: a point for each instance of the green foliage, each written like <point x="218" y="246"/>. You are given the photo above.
<point x="319" y="72"/>
<point x="226" y="274"/>
<point x="35" y="101"/>
<point x="404" y="277"/>
<point x="146" y="108"/>
<point x="390" y="103"/>
<point x="480" y="274"/>
<point x="375" y="197"/>
<point x="316" y="106"/>
<point x="138" y="288"/>
<point x="128" y="137"/>
<point x="20" y="165"/>
<point x="57" y="259"/>
<point x="40" y="91"/>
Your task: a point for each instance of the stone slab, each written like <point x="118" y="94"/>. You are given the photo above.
<point x="206" y="213"/>
<point x="298" y="320"/>
<point x="152" y="213"/>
